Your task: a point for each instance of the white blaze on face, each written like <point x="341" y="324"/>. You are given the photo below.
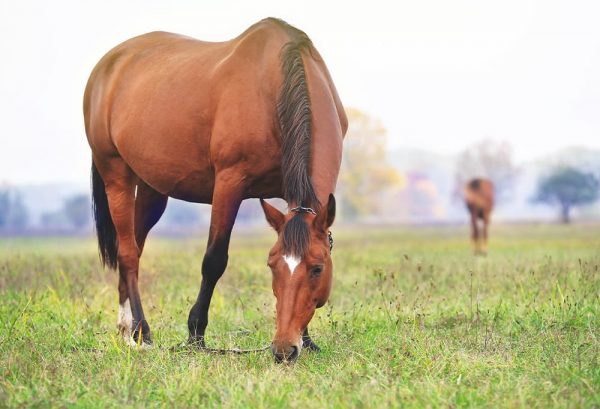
<point x="292" y="263"/>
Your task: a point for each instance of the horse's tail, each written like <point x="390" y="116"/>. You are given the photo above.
<point x="105" y="229"/>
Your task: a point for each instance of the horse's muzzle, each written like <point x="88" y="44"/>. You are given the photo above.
<point x="285" y="353"/>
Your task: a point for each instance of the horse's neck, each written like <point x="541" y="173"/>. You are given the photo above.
<point x="325" y="164"/>
<point x="329" y="124"/>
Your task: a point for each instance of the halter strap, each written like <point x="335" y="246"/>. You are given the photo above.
<point x="300" y="209"/>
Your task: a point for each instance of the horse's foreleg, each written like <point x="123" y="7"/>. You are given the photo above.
<point x="308" y="343"/>
<point x="486" y="222"/>
<point x="474" y="231"/>
<point x="225" y="204"/>
<point x="120" y="190"/>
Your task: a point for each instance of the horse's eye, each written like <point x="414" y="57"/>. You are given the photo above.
<point x="316" y="271"/>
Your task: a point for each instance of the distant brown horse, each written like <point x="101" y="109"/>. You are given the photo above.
<point x="479" y="198"/>
<point x="254" y="117"/>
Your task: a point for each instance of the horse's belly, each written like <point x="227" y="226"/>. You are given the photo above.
<point x="196" y="187"/>
<point x="186" y="177"/>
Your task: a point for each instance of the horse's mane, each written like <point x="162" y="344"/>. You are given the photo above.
<point x="475" y="184"/>
<point x="295" y="123"/>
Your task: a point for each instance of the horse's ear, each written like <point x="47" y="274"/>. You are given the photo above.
<point x="275" y="218"/>
<point x="330" y="210"/>
<point x="326" y="220"/>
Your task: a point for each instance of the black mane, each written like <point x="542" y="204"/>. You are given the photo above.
<point x="295" y="123"/>
<point x="475" y="184"/>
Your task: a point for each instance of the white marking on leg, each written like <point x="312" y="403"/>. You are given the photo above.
<point x="124" y="324"/>
<point x="142" y="346"/>
<point x="125" y="320"/>
<point x="292" y="263"/>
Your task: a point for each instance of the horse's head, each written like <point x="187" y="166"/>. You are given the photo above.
<point x="301" y="265"/>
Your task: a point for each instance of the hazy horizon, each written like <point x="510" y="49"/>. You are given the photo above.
<point x="438" y="75"/>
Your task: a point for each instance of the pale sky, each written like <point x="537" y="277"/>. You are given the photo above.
<point x="439" y="74"/>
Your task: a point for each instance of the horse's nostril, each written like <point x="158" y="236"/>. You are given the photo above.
<point x="293" y="355"/>
<point x="278" y="356"/>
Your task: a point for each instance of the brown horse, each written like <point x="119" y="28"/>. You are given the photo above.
<point x="479" y="198"/>
<point x="254" y="117"/>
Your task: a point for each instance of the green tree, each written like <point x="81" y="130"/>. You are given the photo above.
<point x="365" y="172"/>
<point x="567" y="187"/>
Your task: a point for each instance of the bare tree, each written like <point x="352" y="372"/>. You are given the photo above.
<point x="487" y="159"/>
<point x="13" y="212"/>
<point x="77" y="210"/>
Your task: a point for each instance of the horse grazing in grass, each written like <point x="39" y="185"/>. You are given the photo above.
<point x="479" y="198"/>
<point x="254" y="117"/>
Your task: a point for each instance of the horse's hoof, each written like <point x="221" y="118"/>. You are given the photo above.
<point x="308" y="344"/>
<point x="144" y="345"/>
<point x="124" y="332"/>
<point x="141" y="334"/>
<point x="196" y="342"/>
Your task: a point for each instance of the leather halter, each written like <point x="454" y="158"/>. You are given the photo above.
<point x="301" y="209"/>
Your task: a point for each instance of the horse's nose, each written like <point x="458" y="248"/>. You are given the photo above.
<point x="286" y="353"/>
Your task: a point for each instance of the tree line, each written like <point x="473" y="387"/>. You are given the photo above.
<point x="366" y="174"/>
<point x="368" y="187"/>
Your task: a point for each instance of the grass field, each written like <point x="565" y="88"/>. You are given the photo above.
<point x="414" y="320"/>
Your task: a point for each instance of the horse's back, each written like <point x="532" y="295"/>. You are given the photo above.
<point x="179" y="111"/>
<point x="171" y="102"/>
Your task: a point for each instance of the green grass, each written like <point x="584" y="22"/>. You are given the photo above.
<point x="414" y="320"/>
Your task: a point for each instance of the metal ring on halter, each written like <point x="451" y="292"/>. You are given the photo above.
<point x="300" y="209"/>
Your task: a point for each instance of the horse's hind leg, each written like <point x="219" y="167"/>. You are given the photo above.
<point x="120" y="184"/>
<point x="149" y="207"/>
